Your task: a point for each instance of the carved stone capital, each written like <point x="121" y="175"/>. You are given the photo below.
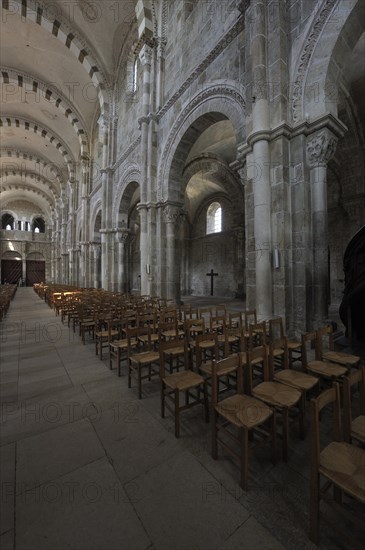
<point x="145" y="55"/>
<point x="320" y="148"/>
<point x="173" y="214"/>
<point x="123" y="235"/>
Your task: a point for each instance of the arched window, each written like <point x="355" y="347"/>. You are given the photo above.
<point x="39" y="225"/>
<point x="214" y="218"/>
<point x="7" y="222"/>
<point x="132" y="74"/>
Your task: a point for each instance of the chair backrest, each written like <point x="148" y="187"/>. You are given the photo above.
<point x="221" y="310"/>
<point x="258" y="354"/>
<point x="235" y="332"/>
<point x="168" y="314"/>
<point x="169" y="345"/>
<point x="257" y="332"/>
<point x="356" y="377"/>
<point x="276" y="328"/>
<point x="282" y="345"/>
<point x="208" y="337"/>
<point x="331" y="396"/>
<point x="325" y="339"/>
<point x="235" y="319"/>
<point x="164" y="327"/>
<point x="206" y="314"/>
<point x="309" y="338"/>
<point x="147" y="319"/>
<point x="194" y="327"/>
<point x="135" y="332"/>
<point x="250" y="318"/>
<point x="219" y="367"/>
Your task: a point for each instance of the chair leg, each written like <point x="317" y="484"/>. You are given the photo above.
<point x="110" y="359"/>
<point x="177" y="417"/>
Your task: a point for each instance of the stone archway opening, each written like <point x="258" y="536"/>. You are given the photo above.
<point x="129" y="230"/>
<point x="201" y="175"/>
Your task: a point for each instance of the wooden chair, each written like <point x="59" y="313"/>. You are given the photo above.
<point x="339" y="357"/>
<point x="285" y="375"/>
<point x="141" y="358"/>
<point x="118" y="349"/>
<point x="235" y="320"/>
<point x="276" y="330"/>
<point x="354" y="428"/>
<point x="104" y="336"/>
<point x="238" y="416"/>
<point x="231" y="341"/>
<point x="283" y="398"/>
<point x="341" y="464"/>
<point x="324" y="369"/>
<point x="186" y="381"/>
<point x="169" y="332"/>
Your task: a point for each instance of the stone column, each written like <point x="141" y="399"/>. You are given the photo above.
<point x="106" y="206"/>
<point x="122" y="237"/>
<point x="321" y="147"/>
<point x="173" y="215"/>
<point x="85" y="215"/>
<point x="145" y="56"/>
<point x="96" y="249"/>
<point x="160" y="70"/>
<point x="261" y="157"/>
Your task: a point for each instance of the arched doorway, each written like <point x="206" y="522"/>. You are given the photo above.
<point x="35" y="268"/>
<point x="11" y="267"/>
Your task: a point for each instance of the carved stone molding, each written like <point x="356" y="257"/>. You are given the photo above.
<point x="127" y="152"/>
<point x="321" y="148"/>
<point x="310" y="44"/>
<point x="213" y="54"/>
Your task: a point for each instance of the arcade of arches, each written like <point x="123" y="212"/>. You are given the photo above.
<point x="137" y="155"/>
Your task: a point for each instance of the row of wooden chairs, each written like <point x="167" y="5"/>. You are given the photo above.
<point x="341" y="463"/>
<point x="7" y="293"/>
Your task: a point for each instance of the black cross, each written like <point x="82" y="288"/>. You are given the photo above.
<point x="212" y="275"/>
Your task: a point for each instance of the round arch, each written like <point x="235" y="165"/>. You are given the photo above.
<point x="221" y="101"/>
<point x="317" y="78"/>
<point x="132" y="174"/>
<point x="36" y="12"/>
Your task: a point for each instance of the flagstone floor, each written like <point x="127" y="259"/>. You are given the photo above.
<point x="85" y="465"/>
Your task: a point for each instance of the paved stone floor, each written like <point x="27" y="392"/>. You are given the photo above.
<point x="86" y="466"/>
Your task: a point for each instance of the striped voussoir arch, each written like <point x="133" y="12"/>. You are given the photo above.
<point x="9" y="76"/>
<point x="18" y="154"/>
<point x="27" y="188"/>
<point x="26" y="176"/>
<point x="34" y="11"/>
<point x="144" y="19"/>
<point x="45" y="133"/>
